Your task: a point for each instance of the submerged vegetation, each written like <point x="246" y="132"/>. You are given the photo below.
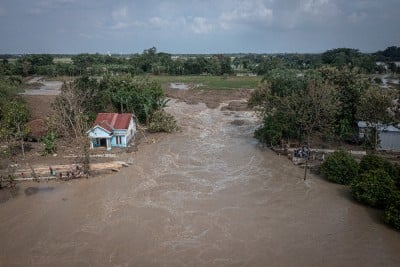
<point x="374" y="181"/>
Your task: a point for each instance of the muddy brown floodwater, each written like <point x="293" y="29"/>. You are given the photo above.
<point x="207" y="196"/>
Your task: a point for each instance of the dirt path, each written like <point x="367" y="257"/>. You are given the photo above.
<point x="208" y="196"/>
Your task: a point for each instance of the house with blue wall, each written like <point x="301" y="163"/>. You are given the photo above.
<point x="112" y="130"/>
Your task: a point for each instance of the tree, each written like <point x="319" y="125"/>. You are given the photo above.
<point x="376" y="107"/>
<point x="134" y="94"/>
<point x="348" y="57"/>
<point x="350" y="85"/>
<point x="15" y="115"/>
<point x="74" y="106"/>
<point x="295" y="106"/>
<point x="317" y="108"/>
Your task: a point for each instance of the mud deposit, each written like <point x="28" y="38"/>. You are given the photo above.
<point x="207" y="196"/>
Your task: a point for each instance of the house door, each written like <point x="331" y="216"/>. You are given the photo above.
<point x="103" y="142"/>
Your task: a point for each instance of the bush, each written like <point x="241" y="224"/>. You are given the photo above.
<point x="375" y="162"/>
<point x="49" y="142"/>
<point x="378" y="80"/>
<point x="374" y="188"/>
<point x="162" y="122"/>
<point x="340" y="167"/>
<point x="392" y="212"/>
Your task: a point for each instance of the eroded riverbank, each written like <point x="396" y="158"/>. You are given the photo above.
<point x="207" y="196"/>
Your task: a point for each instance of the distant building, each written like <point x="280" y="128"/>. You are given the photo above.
<point x="112" y="130"/>
<point x="389" y="136"/>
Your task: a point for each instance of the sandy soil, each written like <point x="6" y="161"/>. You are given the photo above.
<point x="212" y="98"/>
<point x="40" y="105"/>
<point x="207" y="196"/>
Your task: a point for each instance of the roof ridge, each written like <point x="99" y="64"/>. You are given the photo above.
<point x="114" y="119"/>
<point x="106" y="122"/>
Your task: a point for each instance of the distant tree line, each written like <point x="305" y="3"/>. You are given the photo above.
<point x="150" y="62"/>
<point x="390" y="54"/>
<point x="153" y="62"/>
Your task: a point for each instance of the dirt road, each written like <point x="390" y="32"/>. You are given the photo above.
<point x="207" y="196"/>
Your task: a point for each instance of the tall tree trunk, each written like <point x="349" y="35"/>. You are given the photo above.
<point x="308" y="154"/>
<point x="21" y="136"/>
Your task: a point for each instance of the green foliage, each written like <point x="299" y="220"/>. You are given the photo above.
<point x="340" y="167"/>
<point x="391" y="53"/>
<point x="162" y="122"/>
<point x="80" y="101"/>
<point x="8" y="90"/>
<point x="158" y="63"/>
<point x="374" y="104"/>
<point x="392" y="212"/>
<point x="15" y="115"/>
<point x="347" y="57"/>
<point x="351" y="86"/>
<point x="378" y="80"/>
<point x="327" y="101"/>
<point x="259" y="97"/>
<point x="375" y="162"/>
<point x="294" y="105"/>
<point x="49" y="142"/>
<point x="133" y="94"/>
<point x="340" y="57"/>
<point x="275" y="127"/>
<point x="374" y="188"/>
<point x="285" y="81"/>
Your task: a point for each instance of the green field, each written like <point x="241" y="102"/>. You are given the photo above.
<point x="209" y="82"/>
<point x="62" y="60"/>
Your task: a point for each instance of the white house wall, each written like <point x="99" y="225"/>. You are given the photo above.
<point x="98" y="132"/>
<point x="131" y="131"/>
<point x="389" y="141"/>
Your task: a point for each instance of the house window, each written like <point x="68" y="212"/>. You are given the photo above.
<point x="119" y="140"/>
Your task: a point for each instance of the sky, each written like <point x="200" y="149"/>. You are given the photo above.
<point x="189" y="26"/>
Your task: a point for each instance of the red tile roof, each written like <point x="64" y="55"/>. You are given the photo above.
<point x="113" y="121"/>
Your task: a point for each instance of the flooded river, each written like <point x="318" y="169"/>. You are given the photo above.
<point x="207" y="196"/>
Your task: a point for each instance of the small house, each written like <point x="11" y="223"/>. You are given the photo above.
<point x="112" y="130"/>
<point x="388" y="135"/>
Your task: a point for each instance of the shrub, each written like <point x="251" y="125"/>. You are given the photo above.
<point x="374" y="188"/>
<point x="49" y="142"/>
<point x="378" y="80"/>
<point x="340" y="167"/>
<point x="162" y="122"/>
<point x="392" y="212"/>
<point x="375" y="162"/>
